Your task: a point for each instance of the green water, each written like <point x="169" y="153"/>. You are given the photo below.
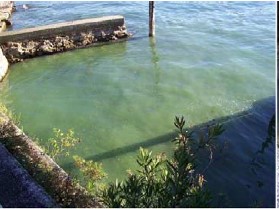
<point x="117" y="103"/>
<point x="122" y="96"/>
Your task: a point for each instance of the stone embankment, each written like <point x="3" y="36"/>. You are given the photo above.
<point x="44" y="40"/>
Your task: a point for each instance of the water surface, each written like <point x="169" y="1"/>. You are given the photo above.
<point x="208" y="60"/>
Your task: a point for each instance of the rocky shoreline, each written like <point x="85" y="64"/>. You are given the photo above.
<point x="17" y="51"/>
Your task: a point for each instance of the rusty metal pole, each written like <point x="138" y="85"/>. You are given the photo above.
<point x="151" y="19"/>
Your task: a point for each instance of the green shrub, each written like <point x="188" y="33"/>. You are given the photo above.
<point x="162" y="182"/>
<point x="92" y="173"/>
<point x="4" y="110"/>
<point x="159" y="181"/>
<point x="61" y="143"/>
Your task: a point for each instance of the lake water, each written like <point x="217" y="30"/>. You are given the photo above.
<point x="209" y="60"/>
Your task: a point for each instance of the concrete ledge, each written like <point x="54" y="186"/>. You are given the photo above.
<point x="107" y="24"/>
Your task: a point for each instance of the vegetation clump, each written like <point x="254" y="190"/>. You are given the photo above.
<point x="92" y="173"/>
<point x="61" y="143"/>
<point x="163" y="182"/>
<point x="159" y="181"/>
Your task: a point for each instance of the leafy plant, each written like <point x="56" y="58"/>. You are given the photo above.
<point x="3" y="109"/>
<point x="92" y="173"/>
<point x="61" y="143"/>
<point x="162" y="182"/>
<point x="159" y="181"/>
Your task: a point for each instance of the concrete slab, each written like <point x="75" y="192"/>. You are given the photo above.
<point x="107" y="23"/>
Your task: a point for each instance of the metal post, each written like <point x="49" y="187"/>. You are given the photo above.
<point x="151" y="19"/>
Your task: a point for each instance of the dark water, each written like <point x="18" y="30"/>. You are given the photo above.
<point x="209" y="60"/>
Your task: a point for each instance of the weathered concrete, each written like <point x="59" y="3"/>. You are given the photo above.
<point x="43" y="169"/>
<point x="3" y="65"/>
<point x="27" y="43"/>
<point x="18" y="189"/>
<point x="96" y="25"/>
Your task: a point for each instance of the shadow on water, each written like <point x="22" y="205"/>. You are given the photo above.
<point x="244" y="174"/>
<point x="226" y="120"/>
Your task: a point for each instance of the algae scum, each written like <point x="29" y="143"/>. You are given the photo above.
<point x="208" y="60"/>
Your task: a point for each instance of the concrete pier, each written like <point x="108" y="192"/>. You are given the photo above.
<point x="44" y="40"/>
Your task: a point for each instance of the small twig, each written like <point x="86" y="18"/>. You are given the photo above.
<point x="210" y="161"/>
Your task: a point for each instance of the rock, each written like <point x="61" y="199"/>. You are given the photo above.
<point x="3" y="65"/>
<point x="31" y="48"/>
<point x="25" y="6"/>
<point x="67" y="44"/>
<point x="13" y="44"/>
<point x="103" y="34"/>
<point x="48" y="43"/>
<point x="14" y="51"/>
<point x="4" y="16"/>
<point x="76" y="38"/>
<point x="31" y="45"/>
<point x="46" y="49"/>
<point x="85" y="42"/>
<point x="121" y="34"/>
<point x="2" y="26"/>
<point x="114" y="38"/>
<point x="58" y="39"/>
<point x="59" y="44"/>
<point x="8" y="22"/>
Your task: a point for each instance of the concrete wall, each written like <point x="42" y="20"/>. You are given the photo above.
<point x="27" y="43"/>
